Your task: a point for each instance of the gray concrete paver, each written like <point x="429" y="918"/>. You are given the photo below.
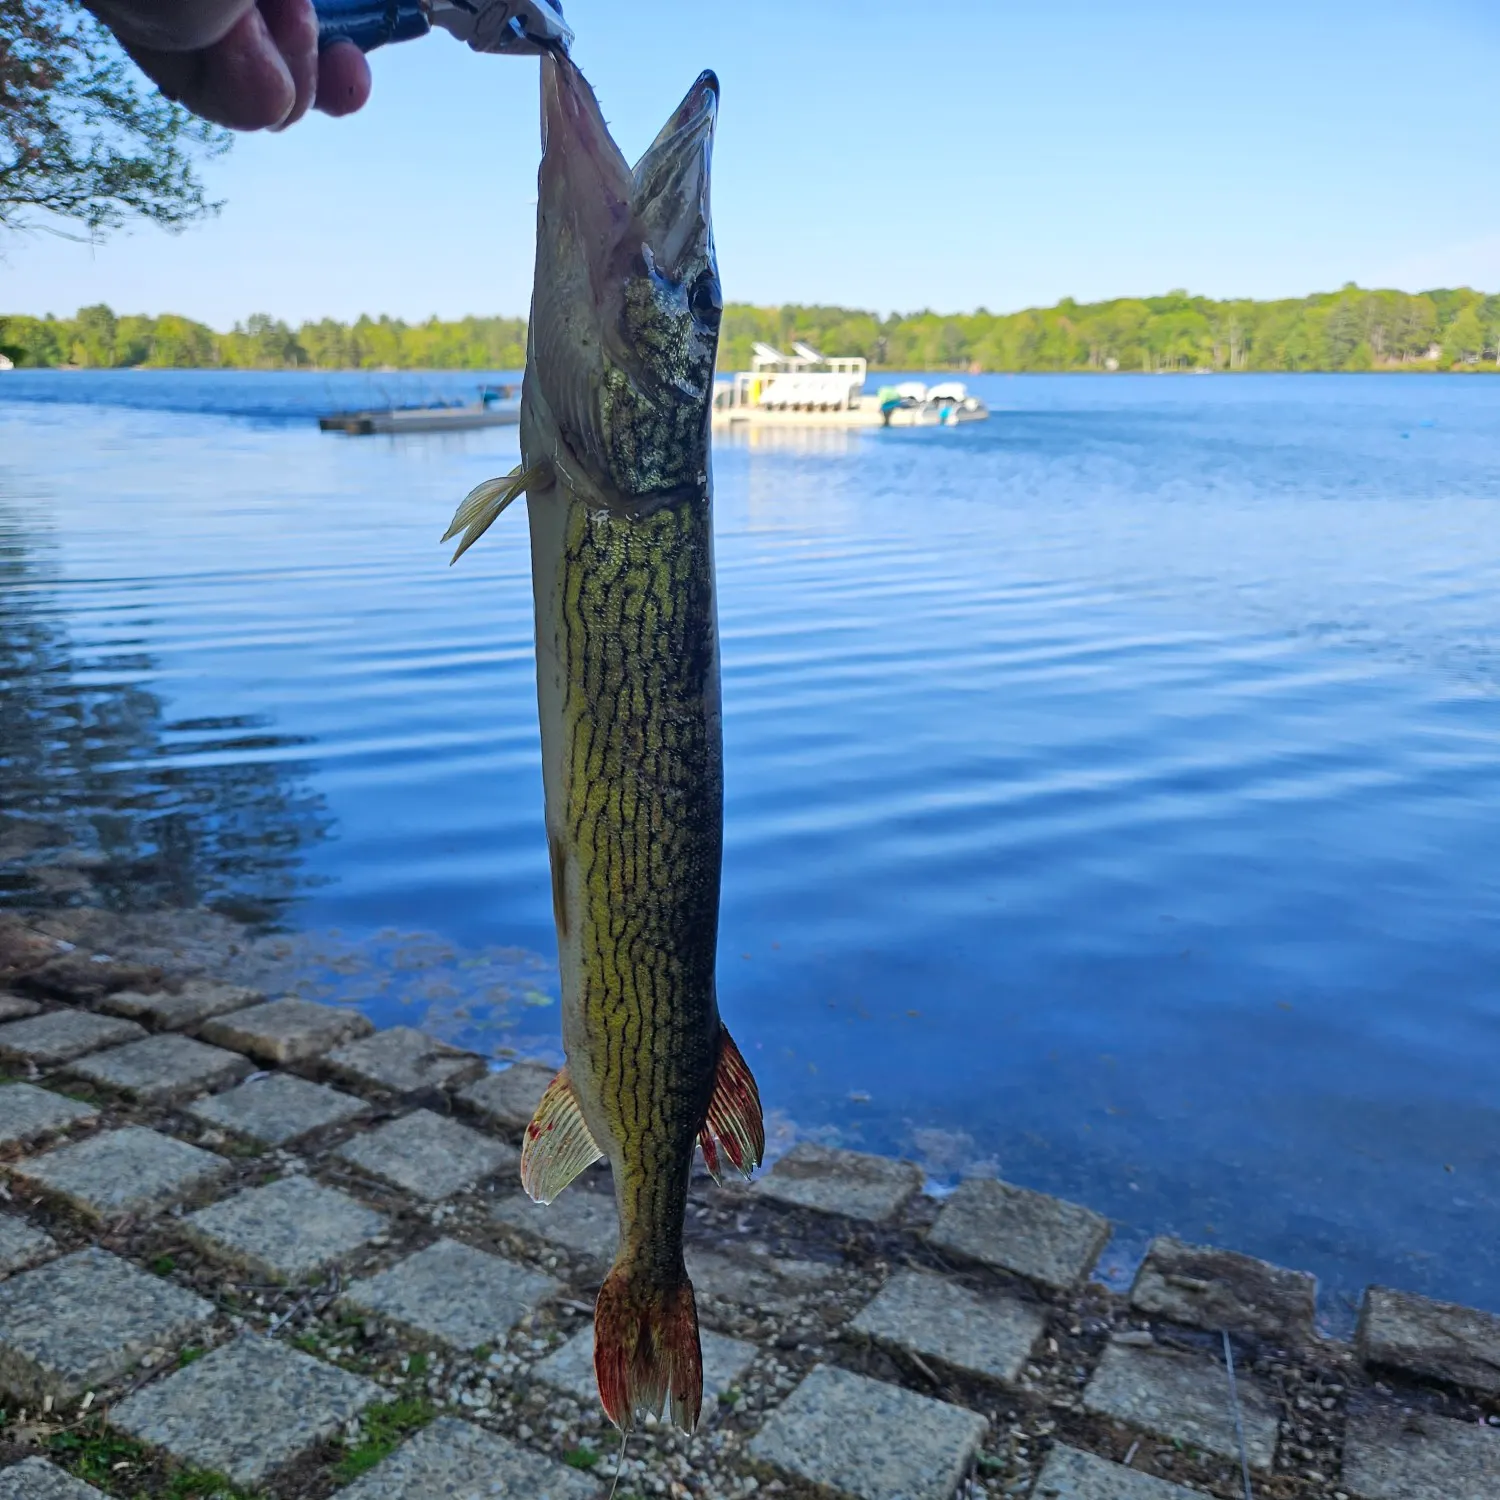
<point x="286" y="1031"/>
<point x="509" y="1098"/>
<point x="21" y="1245"/>
<point x="570" y="1368"/>
<point x="454" y="1293"/>
<point x="199" y="1000"/>
<point x="870" y="1440"/>
<point x="930" y="1315"/>
<point x="78" y="1322"/>
<point x="1206" y="1287"/>
<point x="403" y="1061"/>
<point x="1184" y="1398"/>
<point x="1044" y="1239"/>
<point x="453" y="1460"/>
<point x="751" y="1278"/>
<point x="580" y="1221"/>
<point x="1437" y="1339"/>
<point x="36" y="1479"/>
<point x="127" y="1171"/>
<point x="61" y="1035"/>
<point x="288" y="1229"/>
<point x="872" y="1188"/>
<point x="27" y="1113"/>
<point x="1407" y="1455"/>
<point x="162" y="1068"/>
<point x="429" y="1155"/>
<point x="245" y="1409"/>
<point x="276" y="1108"/>
<point x="1071" y="1474"/>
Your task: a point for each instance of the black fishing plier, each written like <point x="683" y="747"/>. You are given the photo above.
<point x="516" y="26"/>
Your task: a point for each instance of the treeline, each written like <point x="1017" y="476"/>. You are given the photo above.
<point x="1351" y="329"/>
<point x="96" y="338"/>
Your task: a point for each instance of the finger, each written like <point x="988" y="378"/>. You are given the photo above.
<point x="169" y="28"/>
<point x="241" y="81"/>
<point x="293" y="27"/>
<point x="343" y="79"/>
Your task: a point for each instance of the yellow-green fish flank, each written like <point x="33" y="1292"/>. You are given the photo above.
<point x="615" y="468"/>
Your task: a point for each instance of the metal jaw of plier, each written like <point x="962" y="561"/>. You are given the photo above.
<point x="515" y="26"/>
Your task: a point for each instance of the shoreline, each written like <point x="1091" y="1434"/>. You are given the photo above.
<point x="837" y="1291"/>
<point x="1433" y="368"/>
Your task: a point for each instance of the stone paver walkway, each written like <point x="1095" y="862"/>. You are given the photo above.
<point x="1183" y="1398"/>
<point x="287" y="1229"/>
<point x="930" y="1315"/>
<point x="1014" y="1229"/>
<point x="1391" y="1455"/>
<point x="454" y="1293"/>
<point x="1073" y="1475"/>
<point x="84" y="1320"/>
<point x="278" y="1108"/>
<point x="454" y="1459"/>
<point x="428" y="1155"/>
<point x="246" y="1409"/>
<point x="28" y="1113"/>
<point x="127" y="1171"/>
<point x="870" y="1440"/>
<point x="36" y="1479"/>
<point x="277" y="1275"/>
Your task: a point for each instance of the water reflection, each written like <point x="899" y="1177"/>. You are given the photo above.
<point x="105" y="798"/>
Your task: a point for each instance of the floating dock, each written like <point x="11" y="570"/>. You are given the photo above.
<point x="497" y="407"/>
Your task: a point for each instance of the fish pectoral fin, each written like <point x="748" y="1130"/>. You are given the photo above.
<point x="483" y="505"/>
<point x="733" y="1137"/>
<point x="558" y="1144"/>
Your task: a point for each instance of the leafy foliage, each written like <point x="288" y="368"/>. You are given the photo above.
<point x="95" y="338"/>
<point x="382" y="1429"/>
<point x="82" y="136"/>
<point x="1351" y="329"/>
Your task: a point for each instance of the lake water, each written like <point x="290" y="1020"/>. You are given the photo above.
<point x="1113" y="787"/>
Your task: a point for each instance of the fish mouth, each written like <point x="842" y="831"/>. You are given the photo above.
<point x="670" y="183"/>
<point x="586" y="176"/>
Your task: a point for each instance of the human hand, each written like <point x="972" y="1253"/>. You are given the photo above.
<point x="247" y="64"/>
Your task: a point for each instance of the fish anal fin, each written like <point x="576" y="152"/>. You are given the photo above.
<point x="484" y="504"/>
<point x="558" y="1144"/>
<point x="647" y="1355"/>
<point x="733" y="1137"/>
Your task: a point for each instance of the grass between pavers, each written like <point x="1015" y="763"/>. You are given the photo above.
<point x="382" y="1430"/>
<point x="117" y="1465"/>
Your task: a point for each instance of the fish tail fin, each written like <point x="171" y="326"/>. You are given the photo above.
<point x="647" y="1357"/>
<point x="733" y="1137"/>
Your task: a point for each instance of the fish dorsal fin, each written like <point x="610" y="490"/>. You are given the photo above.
<point x="733" y="1137"/>
<point x="558" y="1144"/>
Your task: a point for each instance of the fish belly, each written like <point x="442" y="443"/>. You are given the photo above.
<point x="628" y="691"/>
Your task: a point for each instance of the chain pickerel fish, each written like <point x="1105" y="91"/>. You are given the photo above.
<point x="615" y="467"/>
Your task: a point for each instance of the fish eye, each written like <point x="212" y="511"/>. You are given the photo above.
<point x="705" y="301"/>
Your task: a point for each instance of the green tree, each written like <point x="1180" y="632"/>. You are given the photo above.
<point x="1465" y="338"/>
<point x="94" y="332"/>
<point x="82" y="137"/>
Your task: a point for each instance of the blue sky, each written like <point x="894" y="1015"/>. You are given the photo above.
<point x="881" y="154"/>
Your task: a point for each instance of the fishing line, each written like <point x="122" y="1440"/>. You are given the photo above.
<point x="1239" y="1426"/>
<point x="619" y="1462"/>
